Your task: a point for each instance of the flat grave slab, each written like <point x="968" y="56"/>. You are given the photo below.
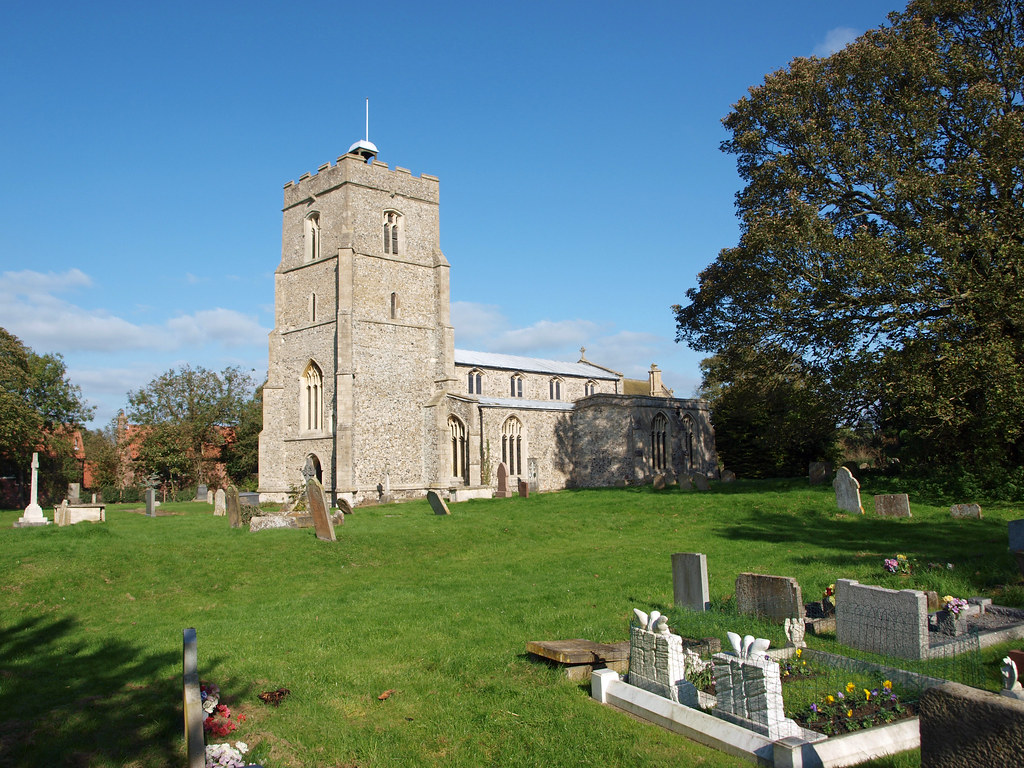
<point x="580" y="657"/>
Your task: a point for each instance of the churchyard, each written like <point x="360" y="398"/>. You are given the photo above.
<point x="403" y="642"/>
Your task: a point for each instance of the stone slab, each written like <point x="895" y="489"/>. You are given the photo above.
<point x="963" y="511"/>
<point x="316" y="502"/>
<point x="700" y="482"/>
<point x="524" y="489"/>
<point x="201" y="492"/>
<point x="776" y="598"/>
<point x="690" y="581"/>
<point x="271" y="522"/>
<point x="963" y="726"/>
<point x="437" y="503"/>
<point x="1016" y="531"/>
<point x="818" y="472"/>
<point x="579" y="651"/>
<point x="892" y="505"/>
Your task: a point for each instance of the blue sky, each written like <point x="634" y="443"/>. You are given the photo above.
<point x="144" y="148"/>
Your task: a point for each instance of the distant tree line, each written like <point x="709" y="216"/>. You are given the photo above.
<point x="875" y="298"/>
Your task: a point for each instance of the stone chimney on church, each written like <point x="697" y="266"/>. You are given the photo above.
<point x="657" y="389"/>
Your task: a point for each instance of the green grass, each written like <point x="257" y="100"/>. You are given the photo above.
<point x="437" y="608"/>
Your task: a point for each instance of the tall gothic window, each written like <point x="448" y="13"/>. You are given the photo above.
<point x="475" y="382"/>
<point x="555" y="389"/>
<point x="659" y="430"/>
<point x="512" y="445"/>
<point x="311" y="237"/>
<point x="391" y="227"/>
<point x="689" y="442"/>
<point x="459" y="449"/>
<point x="312" y="398"/>
<point x="589" y="388"/>
<point x="517" y="385"/>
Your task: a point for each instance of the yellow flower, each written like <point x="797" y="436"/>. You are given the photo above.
<point x="799" y="652"/>
<point x="901" y="557"/>
<point x="887" y="685"/>
<point x="947" y="598"/>
<point x="850" y="687"/>
<point x="849" y="713"/>
<point x="831" y="699"/>
<point x="867" y="695"/>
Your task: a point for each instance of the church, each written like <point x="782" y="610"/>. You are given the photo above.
<point x="367" y="392"/>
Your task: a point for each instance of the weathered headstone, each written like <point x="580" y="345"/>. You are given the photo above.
<point x="502" y="492"/>
<point x="658" y="662"/>
<point x="209" y="496"/>
<point x="219" y="503"/>
<point x="886" y="621"/>
<point x="728" y="476"/>
<point x="690" y="581"/>
<point x="195" y="743"/>
<point x="74" y="492"/>
<point x="818" y="472"/>
<point x="892" y="505"/>
<point x="316" y="500"/>
<point x="60" y="514"/>
<point x="234" y="507"/>
<point x="33" y="512"/>
<point x="252" y="498"/>
<point x="961" y="511"/>
<point x="532" y="476"/>
<point x="1016" y="531"/>
<point x="524" y="489"/>
<point x="150" y="502"/>
<point x="847" y="491"/>
<point x="437" y="503"/>
<point x="700" y="482"/>
<point x="658" y="483"/>
<point x="776" y="598"/>
<point x="201" y="492"/>
<point x="748" y="690"/>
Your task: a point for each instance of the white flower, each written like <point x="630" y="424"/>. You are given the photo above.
<point x="241" y="746"/>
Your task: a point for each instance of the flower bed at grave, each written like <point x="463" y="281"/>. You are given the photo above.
<point x="219" y="723"/>
<point x="848" y="710"/>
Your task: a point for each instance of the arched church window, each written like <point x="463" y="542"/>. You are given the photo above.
<point x="311" y="237"/>
<point x="512" y="445"/>
<point x="475" y="382"/>
<point x="555" y="389"/>
<point x="312" y="398"/>
<point x="394" y="306"/>
<point x="659" y="431"/>
<point x="689" y="441"/>
<point x="517" y="385"/>
<point x="392" y="220"/>
<point x="589" y="388"/>
<point x="459" y="448"/>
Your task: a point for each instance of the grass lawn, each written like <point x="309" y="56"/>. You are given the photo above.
<point x="436" y="609"/>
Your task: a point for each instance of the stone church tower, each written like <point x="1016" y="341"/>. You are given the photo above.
<point x="362" y="348"/>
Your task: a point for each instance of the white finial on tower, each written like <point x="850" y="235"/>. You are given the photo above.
<point x="366" y="149"/>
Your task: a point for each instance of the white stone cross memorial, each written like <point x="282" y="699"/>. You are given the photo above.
<point x="33" y="512"/>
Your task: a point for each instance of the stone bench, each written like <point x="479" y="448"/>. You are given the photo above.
<point x="581" y="657"/>
<point x="195" y="738"/>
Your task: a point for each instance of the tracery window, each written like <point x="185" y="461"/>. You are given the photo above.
<point x="589" y="388"/>
<point x="689" y="441"/>
<point x="659" y="430"/>
<point x="459" y="448"/>
<point x="392" y="220"/>
<point x="512" y="445"/>
<point x="517" y="385"/>
<point x="311" y="237"/>
<point x="555" y="389"/>
<point x="312" y="398"/>
<point x="475" y="382"/>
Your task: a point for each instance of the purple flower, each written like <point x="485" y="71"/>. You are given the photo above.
<point x="841" y="695"/>
<point x="814" y="707"/>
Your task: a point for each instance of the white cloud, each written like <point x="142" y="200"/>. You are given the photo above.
<point x="545" y="338"/>
<point x="225" y="327"/>
<point x="30" y="283"/>
<point x="835" y="40"/>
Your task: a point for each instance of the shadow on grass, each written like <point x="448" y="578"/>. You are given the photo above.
<point x="66" y="703"/>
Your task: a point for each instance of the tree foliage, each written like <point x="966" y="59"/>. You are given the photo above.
<point x="242" y="455"/>
<point x="184" y="414"/>
<point x="882" y="229"/>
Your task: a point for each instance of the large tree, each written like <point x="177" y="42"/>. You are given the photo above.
<point x="882" y="229"/>
<point x="184" y="414"/>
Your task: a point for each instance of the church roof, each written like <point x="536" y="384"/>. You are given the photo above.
<point x="532" y="364"/>
<point x="519" y="404"/>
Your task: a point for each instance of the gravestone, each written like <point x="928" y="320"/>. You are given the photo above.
<point x="151" y="502"/>
<point x="658" y="662"/>
<point x="748" y="690"/>
<point x="502" y="492"/>
<point x="195" y="741"/>
<point x="961" y="511"/>
<point x="658" y="483"/>
<point x="524" y="489"/>
<point x="690" y="581"/>
<point x="728" y="476"/>
<point x="316" y="500"/>
<point x="885" y="621"/>
<point x="818" y="472"/>
<point x="437" y="503"/>
<point x="252" y="498"/>
<point x="60" y="514"/>
<point x="892" y="505"/>
<point x="33" y="512"/>
<point x="531" y="475"/>
<point x="776" y="598"/>
<point x="963" y="726"/>
<point x="847" y="491"/>
<point x="700" y="482"/>
<point x="74" y="492"/>
<point x="234" y="507"/>
<point x="201" y="492"/>
<point x="209" y="496"/>
<point x="1016" y="530"/>
<point x="219" y="503"/>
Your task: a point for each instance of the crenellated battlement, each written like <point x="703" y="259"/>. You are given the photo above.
<point x="351" y="168"/>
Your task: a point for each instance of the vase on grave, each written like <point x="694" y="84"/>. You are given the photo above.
<point x="949" y="623"/>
